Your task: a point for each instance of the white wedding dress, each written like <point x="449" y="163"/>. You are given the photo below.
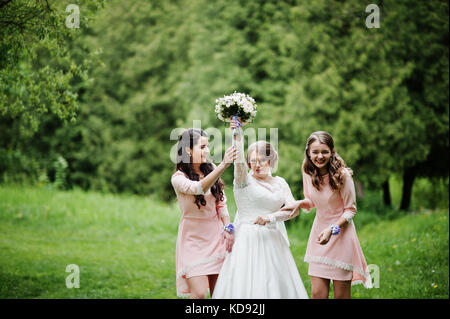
<point x="261" y="264"/>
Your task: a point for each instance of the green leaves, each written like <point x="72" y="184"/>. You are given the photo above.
<point x="135" y="70"/>
<point x="36" y="68"/>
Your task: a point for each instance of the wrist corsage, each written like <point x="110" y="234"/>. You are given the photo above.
<point x="229" y="228"/>
<point x="335" y="229"/>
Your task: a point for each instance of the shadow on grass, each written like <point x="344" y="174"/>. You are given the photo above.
<point x="25" y="286"/>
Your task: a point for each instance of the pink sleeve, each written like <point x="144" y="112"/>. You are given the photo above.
<point x="184" y="185"/>
<point x="348" y="196"/>
<point x="306" y="191"/>
<point x="221" y="207"/>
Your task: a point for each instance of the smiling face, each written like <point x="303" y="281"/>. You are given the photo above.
<point x="320" y="154"/>
<point x="200" y="151"/>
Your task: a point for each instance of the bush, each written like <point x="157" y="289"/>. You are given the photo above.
<point x="60" y="166"/>
<point x="16" y="167"/>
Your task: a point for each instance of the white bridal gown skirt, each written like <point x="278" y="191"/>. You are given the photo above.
<point x="260" y="266"/>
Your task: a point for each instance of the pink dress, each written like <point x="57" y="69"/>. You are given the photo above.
<point x="342" y="257"/>
<point x="200" y="249"/>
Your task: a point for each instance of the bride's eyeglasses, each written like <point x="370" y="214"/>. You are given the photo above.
<point x="261" y="161"/>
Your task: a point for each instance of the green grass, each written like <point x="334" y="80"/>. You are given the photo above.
<point x="411" y="252"/>
<point x="125" y="246"/>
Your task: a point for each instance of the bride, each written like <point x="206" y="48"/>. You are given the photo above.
<point x="260" y="264"/>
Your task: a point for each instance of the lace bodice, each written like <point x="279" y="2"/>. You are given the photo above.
<point x="256" y="197"/>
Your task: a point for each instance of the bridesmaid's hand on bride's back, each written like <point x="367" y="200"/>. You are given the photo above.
<point x="294" y="207"/>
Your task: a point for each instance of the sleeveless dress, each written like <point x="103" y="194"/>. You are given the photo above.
<point x="342" y="257"/>
<point x="260" y="264"/>
<point x="200" y="248"/>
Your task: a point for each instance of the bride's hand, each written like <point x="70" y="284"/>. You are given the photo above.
<point x="233" y="123"/>
<point x="262" y="220"/>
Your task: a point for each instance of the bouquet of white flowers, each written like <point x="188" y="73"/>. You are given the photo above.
<point x="236" y="105"/>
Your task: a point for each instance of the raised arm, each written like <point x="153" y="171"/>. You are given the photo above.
<point x="240" y="165"/>
<point x="211" y="178"/>
<point x="182" y="184"/>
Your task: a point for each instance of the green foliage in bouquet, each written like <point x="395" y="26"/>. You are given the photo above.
<point x="236" y="104"/>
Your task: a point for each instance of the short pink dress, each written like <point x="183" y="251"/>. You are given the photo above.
<point x="200" y="249"/>
<point x="342" y="257"/>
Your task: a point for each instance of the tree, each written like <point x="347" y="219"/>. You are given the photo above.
<point x="145" y="68"/>
<point x="372" y="88"/>
<point x="31" y="31"/>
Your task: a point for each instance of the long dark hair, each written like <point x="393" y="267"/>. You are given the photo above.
<point x="189" y="138"/>
<point x="336" y="164"/>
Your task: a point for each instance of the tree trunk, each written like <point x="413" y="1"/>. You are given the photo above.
<point x="359" y="189"/>
<point x="387" y="194"/>
<point x="408" y="180"/>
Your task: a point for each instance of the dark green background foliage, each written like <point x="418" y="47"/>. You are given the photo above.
<point x="91" y="111"/>
<point x="105" y="97"/>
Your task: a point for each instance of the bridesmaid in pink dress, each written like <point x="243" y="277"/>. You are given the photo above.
<point x="201" y="243"/>
<point x="333" y="251"/>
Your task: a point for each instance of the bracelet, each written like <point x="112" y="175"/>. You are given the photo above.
<point x="335" y="229"/>
<point x="229" y="228"/>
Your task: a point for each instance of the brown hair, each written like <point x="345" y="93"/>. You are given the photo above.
<point x="336" y="165"/>
<point x="190" y="138"/>
<point x="265" y="149"/>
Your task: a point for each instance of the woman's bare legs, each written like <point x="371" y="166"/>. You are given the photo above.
<point x="342" y="289"/>
<point x="320" y="287"/>
<point x="212" y="283"/>
<point x="199" y="285"/>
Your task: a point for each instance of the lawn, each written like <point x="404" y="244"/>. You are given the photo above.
<point x="124" y="246"/>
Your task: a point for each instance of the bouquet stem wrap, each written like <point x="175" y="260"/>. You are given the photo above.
<point x="238" y="124"/>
